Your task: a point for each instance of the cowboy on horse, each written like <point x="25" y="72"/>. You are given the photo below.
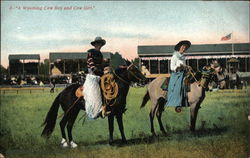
<point x="92" y="92"/>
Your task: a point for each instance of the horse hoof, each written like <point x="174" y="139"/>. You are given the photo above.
<point x="73" y="144"/>
<point x="124" y="141"/>
<point x="111" y="142"/>
<point x="192" y="129"/>
<point x="64" y="143"/>
<point x="164" y="133"/>
<point x="154" y="134"/>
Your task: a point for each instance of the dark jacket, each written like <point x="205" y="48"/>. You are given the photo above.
<point x="95" y="62"/>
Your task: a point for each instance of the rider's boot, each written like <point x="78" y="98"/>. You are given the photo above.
<point x="104" y="111"/>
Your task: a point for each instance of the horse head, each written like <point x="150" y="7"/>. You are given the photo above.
<point x="206" y="76"/>
<point x="220" y="77"/>
<point x="212" y="74"/>
<point x="135" y="75"/>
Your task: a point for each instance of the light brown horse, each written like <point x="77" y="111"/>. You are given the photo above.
<point x="195" y="96"/>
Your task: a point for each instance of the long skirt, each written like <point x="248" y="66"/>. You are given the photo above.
<point x="92" y="96"/>
<point x="176" y="90"/>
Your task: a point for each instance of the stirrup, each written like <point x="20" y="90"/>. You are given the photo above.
<point x="105" y="113"/>
<point x="178" y="109"/>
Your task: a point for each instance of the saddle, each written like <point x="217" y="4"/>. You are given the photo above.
<point x="108" y="86"/>
<point x="187" y="83"/>
<point x="164" y="85"/>
<point x="79" y="92"/>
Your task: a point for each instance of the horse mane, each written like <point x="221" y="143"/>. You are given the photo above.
<point x="120" y="70"/>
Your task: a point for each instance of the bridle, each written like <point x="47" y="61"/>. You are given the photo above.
<point x="129" y="69"/>
<point x="205" y="75"/>
<point x="219" y="81"/>
<point x="120" y="78"/>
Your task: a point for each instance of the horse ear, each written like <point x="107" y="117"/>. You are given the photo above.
<point x="128" y="62"/>
<point x="214" y="63"/>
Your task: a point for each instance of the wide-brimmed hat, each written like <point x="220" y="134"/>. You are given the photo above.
<point x="184" y="42"/>
<point x="98" y="40"/>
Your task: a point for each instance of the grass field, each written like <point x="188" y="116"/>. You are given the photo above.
<point x="222" y="129"/>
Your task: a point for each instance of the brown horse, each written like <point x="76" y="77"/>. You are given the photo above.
<point x="195" y="96"/>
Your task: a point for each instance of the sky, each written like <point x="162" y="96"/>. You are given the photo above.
<point x="36" y="27"/>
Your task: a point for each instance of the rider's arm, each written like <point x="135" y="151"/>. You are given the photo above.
<point x="173" y="63"/>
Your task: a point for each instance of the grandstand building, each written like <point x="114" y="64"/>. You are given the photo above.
<point x="65" y="63"/>
<point x="156" y="58"/>
<point x="24" y="64"/>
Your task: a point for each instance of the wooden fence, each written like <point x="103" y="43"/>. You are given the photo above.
<point x="26" y="90"/>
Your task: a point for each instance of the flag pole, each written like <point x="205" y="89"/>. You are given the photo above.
<point x="232" y="45"/>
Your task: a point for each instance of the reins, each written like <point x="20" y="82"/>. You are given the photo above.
<point x="120" y="78"/>
<point x="222" y="79"/>
<point x="133" y="74"/>
<point x="123" y="80"/>
<point x="204" y="74"/>
<point x="190" y="71"/>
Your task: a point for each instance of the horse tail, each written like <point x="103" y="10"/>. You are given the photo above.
<point x="50" y="120"/>
<point x="145" y="99"/>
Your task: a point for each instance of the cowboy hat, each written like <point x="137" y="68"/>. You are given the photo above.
<point x="98" y="40"/>
<point x="185" y="42"/>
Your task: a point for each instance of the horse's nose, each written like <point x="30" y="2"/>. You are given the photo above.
<point x="145" y="80"/>
<point x="222" y="85"/>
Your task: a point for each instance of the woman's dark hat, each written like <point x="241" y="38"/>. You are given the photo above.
<point x="98" y="40"/>
<point x="185" y="42"/>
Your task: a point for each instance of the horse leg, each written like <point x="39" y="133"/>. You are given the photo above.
<point x="151" y="116"/>
<point x="63" y="123"/>
<point x="111" y="128"/>
<point x="159" y="113"/>
<point x="120" y="124"/>
<point x="193" y="114"/>
<point x="70" y="126"/>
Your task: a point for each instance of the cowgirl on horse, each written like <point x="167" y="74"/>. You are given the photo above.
<point x="176" y="89"/>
